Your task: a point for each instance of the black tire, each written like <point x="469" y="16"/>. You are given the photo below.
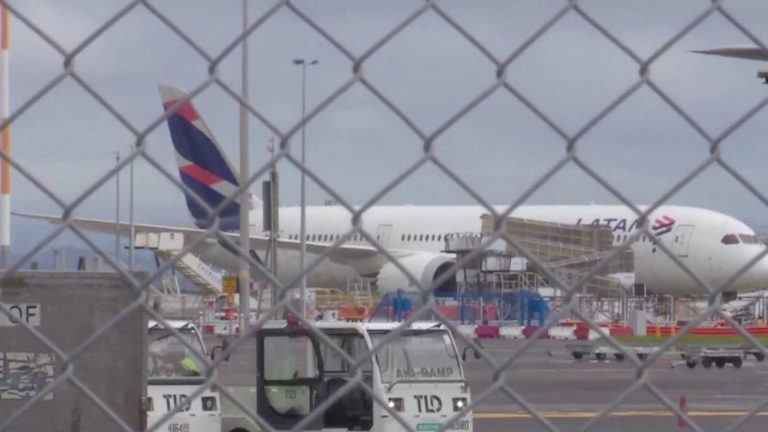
<point x="720" y="363"/>
<point x="577" y="355"/>
<point x="736" y="362"/>
<point x="642" y="356"/>
<point x="760" y="357"/>
<point x="706" y="362"/>
<point x="690" y="363"/>
<point x="601" y="356"/>
<point x="619" y="356"/>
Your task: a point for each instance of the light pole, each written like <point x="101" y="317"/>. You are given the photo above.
<point x="132" y="230"/>
<point x="117" y="208"/>
<point x="303" y="224"/>
<point x="244" y="271"/>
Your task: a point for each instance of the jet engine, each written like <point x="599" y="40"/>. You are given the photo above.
<point x="425" y="267"/>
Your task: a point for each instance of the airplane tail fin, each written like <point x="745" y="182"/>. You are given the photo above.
<point x="203" y="166"/>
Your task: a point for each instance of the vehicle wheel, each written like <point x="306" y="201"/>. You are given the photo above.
<point x="577" y="355"/>
<point x="736" y="362"/>
<point x="706" y="362"/>
<point x="601" y="356"/>
<point x="619" y="356"/>
<point x="642" y="356"/>
<point x="760" y="357"/>
<point x="720" y="363"/>
<point x="690" y="363"/>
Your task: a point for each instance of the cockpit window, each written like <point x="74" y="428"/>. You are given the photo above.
<point x="748" y="239"/>
<point x="730" y="239"/>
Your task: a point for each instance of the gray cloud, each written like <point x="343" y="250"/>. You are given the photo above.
<point x="430" y="71"/>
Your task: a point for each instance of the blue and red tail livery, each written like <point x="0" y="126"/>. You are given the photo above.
<point x="203" y="166"/>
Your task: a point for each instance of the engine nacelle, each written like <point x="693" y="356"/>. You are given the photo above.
<point x="425" y="267"/>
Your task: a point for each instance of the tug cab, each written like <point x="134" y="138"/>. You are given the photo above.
<point x="414" y="379"/>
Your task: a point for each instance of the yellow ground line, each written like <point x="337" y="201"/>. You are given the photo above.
<point x="591" y="414"/>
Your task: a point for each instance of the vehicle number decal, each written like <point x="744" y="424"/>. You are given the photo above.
<point x="178" y="427"/>
<point x="428" y="403"/>
<point x="462" y="424"/>
<point x="171" y="400"/>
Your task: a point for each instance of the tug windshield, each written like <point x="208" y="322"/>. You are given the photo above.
<point x="168" y="357"/>
<point x="417" y="355"/>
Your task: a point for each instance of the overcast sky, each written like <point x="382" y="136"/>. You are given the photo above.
<point x="429" y="70"/>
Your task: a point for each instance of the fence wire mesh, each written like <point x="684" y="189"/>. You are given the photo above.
<point x="287" y="153"/>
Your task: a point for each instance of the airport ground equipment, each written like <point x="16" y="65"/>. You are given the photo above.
<point x="517" y="286"/>
<point x="174" y="372"/>
<point x="356" y="304"/>
<point x="603" y="351"/>
<point x="417" y="376"/>
<point x="720" y="356"/>
<point x="167" y="245"/>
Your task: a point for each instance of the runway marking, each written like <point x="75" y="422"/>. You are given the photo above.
<point x="592" y="414"/>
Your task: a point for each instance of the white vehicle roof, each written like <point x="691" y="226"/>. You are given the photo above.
<point x="363" y="326"/>
<point x="176" y="324"/>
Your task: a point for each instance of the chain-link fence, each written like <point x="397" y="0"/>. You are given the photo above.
<point x="358" y="78"/>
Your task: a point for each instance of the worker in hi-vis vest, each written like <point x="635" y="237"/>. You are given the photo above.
<point x="181" y="364"/>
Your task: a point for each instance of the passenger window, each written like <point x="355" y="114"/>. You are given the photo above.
<point x="730" y="239"/>
<point x="748" y="239"/>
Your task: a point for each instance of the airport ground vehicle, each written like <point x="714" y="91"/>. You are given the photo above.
<point x="418" y="375"/>
<point x="172" y="375"/>
<point x="721" y="356"/>
<point x="602" y="350"/>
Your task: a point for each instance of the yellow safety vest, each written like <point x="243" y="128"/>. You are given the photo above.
<point x="189" y="365"/>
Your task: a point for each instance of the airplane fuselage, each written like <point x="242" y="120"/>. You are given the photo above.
<point x="698" y="238"/>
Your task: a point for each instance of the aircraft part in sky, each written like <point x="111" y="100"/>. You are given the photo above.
<point x="745" y="52"/>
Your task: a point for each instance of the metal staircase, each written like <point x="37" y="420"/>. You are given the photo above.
<point x="166" y="245"/>
<point x="195" y="270"/>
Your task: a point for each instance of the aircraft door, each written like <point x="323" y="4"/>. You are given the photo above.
<point x="382" y="235"/>
<point x="681" y="240"/>
<point x="289" y="378"/>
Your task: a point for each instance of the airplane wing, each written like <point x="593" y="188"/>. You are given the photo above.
<point x="745" y="52"/>
<point x="342" y="254"/>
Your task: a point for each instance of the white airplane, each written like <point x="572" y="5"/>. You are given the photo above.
<point x="714" y="246"/>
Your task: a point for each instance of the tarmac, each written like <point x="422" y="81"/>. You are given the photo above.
<point x="568" y="394"/>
